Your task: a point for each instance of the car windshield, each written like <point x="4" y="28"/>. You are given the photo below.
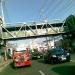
<point x="57" y="51"/>
<point x="23" y="51"/>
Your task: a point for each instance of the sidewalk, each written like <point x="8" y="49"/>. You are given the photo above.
<point x="3" y="64"/>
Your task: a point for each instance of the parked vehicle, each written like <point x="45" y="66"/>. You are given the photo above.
<point x="21" y="58"/>
<point x="56" y="55"/>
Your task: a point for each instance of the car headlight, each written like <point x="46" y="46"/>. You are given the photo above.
<point x="53" y="55"/>
<point x="16" y="59"/>
<point x="68" y="54"/>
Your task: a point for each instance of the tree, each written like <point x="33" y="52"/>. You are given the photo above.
<point x="70" y="23"/>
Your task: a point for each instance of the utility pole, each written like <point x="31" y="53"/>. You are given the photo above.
<point x="2" y="23"/>
<point x="47" y="33"/>
<point x="1" y="41"/>
<point x="2" y="11"/>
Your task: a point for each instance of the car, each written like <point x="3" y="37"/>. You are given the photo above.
<point x="36" y="54"/>
<point x="56" y="55"/>
<point x="21" y="58"/>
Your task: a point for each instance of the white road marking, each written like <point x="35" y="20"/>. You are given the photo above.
<point x="41" y="72"/>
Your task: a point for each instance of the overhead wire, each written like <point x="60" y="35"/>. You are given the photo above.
<point x="59" y="6"/>
<point x="51" y="9"/>
<point x="64" y="7"/>
<point x="68" y="9"/>
<point x="55" y="7"/>
<point x="51" y="6"/>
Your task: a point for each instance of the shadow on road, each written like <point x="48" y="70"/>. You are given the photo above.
<point x="65" y="70"/>
<point x="42" y="61"/>
<point x="47" y="62"/>
<point x="12" y="66"/>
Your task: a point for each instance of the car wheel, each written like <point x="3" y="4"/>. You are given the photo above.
<point x="14" y="65"/>
<point x="68" y="60"/>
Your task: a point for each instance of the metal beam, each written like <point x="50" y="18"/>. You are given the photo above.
<point x="32" y="30"/>
<point x="20" y="29"/>
<point x="8" y="31"/>
<point x="37" y="36"/>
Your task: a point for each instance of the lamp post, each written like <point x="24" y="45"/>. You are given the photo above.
<point x="1" y="36"/>
<point x="2" y="12"/>
<point x="2" y="23"/>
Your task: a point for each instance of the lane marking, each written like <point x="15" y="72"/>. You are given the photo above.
<point x="41" y="72"/>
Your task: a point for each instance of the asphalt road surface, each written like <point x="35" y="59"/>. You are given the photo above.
<point x="39" y="67"/>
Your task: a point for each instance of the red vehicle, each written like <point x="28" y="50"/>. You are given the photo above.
<point x="21" y="58"/>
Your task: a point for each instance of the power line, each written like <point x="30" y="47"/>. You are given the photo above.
<point x="59" y="6"/>
<point x="54" y="7"/>
<point x="66" y="11"/>
<point x="64" y="8"/>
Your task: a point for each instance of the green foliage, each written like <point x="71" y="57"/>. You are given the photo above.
<point x="70" y="23"/>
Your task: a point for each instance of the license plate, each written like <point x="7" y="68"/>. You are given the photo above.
<point x="63" y="58"/>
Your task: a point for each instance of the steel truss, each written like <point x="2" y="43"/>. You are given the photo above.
<point x="26" y="30"/>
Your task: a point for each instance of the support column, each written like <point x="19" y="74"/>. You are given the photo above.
<point x="2" y="42"/>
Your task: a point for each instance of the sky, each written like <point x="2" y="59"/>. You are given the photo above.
<point x="16" y="11"/>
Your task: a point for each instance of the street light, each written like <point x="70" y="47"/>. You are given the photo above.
<point x="2" y="12"/>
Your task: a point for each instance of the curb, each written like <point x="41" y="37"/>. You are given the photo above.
<point x="3" y="65"/>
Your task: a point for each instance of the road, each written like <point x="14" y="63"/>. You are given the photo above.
<point x="39" y="67"/>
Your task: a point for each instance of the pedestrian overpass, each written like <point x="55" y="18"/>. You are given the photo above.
<point x="31" y="29"/>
